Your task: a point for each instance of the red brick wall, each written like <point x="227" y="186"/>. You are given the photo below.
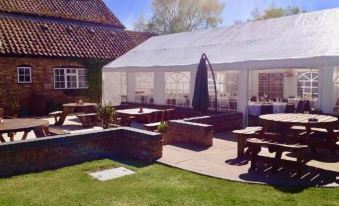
<point x="55" y="152"/>
<point x="42" y="71"/>
<point x="182" y="132"/>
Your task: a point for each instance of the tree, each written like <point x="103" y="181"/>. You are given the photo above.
<point x="172" y="16"/>
<point x="274" y="11"/>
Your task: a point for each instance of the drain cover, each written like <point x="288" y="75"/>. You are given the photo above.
<point x="110" y="174"/>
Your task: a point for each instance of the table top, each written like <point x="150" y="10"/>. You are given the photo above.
<point x="17" y="125"/>
<point x="85" y="104"/>
<point x="135" y="111"/>
<point x="299" y="118"/>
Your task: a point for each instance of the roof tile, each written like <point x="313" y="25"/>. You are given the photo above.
<point x="25" y="36"/>
<point x="94" y="11"/>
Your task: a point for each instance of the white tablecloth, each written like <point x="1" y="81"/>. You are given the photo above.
<point x="254" y="108"/>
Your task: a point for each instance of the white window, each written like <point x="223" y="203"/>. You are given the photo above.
<point x="308" y="84"/>
<point x="144" y="87"/>
<point x="177" y="88"/>
<point x="24" y="75"/>
<point x="70" y="78"/>
<point x="227" y="90"/>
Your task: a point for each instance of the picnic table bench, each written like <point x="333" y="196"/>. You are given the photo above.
<point x="88" y="119"/>
<point x="244" y="134"/>
<point x="255" y="145"/>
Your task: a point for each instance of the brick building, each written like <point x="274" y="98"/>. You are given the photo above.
<point x="43" y="44"/>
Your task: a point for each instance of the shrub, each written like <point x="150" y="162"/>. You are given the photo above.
<point x="162" y="128"/>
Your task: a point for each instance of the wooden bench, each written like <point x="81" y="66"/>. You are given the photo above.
<point x="152" y="126"/>
<point x="255" y="145"/>
<point x="244" y="134"/>
<point x="55" y="131"/>
<point x="56" y="115"/>
<point x="88" y="119"/>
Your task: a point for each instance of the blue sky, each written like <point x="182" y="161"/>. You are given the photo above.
<point x="128" y="11"/>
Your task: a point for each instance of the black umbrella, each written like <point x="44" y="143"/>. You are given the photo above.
<point x="201" y="98"/>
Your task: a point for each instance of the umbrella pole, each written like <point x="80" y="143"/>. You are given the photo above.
<point x="215" y="85"/>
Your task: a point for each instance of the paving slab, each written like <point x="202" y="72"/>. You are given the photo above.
<point x="110" y="174"/>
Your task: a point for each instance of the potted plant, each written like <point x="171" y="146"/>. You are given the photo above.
<point x="106" y="113"/>
<point x="162" y="127"/>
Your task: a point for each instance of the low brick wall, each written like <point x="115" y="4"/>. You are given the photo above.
<point x="55" y="152"/>
<point x="182" y="132"/>
<point x="199" y="130"/>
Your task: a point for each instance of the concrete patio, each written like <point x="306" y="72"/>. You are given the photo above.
<point x="220" y="161"/>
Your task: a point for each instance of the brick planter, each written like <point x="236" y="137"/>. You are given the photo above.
<point x="54" y="152"/>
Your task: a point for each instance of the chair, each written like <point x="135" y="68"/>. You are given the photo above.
<point x="253" y="99"/>
<point x="290" y="108"/>
<point x="266" y="109"/>
<point x="307" y="106"/>
<point x="336" y="108"/>
<point x="300" y="107"/>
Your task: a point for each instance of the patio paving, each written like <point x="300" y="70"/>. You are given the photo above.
<point x="220" y="161"/>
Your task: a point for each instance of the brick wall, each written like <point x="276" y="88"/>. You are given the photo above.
<point x="42" y="82"/>
<point x="199" y="130"/>
<point x="182" y="132"/>
<point x="55" y="152"/>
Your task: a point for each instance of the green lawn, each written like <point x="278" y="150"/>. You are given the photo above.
<point x="152" y="185"/>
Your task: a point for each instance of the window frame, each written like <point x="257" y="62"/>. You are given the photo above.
<point x="18" y="74"/>
<point x="66" y="74"/>
<point x="313" y="82"/>
<point x="272" y="84"/>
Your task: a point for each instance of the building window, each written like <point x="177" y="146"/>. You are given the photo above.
<point x="144" y="87"/>
<point x="308" y="84"/>
<point x="271" y="85"/>
<point x="177" y="88"/>
<point x="70" y="78"/>
<point x="24" y="75"/>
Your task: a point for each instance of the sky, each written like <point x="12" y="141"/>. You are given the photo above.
<point x="128" y="11"/>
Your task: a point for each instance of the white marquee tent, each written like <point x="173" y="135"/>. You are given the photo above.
<point x="309" y="40"/>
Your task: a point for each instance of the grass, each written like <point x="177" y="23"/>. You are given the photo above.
<point x="152" y="185"/>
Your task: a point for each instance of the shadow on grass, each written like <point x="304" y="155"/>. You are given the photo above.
<point x="287" y="178"/>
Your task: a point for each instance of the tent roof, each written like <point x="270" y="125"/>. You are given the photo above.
<point x="304" y="40"/>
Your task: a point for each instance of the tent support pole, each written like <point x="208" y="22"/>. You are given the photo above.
<point x="215" y="85"/>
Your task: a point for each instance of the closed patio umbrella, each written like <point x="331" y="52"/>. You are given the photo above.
<point x="201" y="98"/>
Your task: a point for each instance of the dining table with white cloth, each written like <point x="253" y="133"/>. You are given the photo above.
<point x="254" y="108"/>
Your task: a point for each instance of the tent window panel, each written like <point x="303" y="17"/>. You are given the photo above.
<point x="271" y="85"/>
<point x="177" y="88"/>
<point x="144" y="87"/>
<point x="308" y="84"/>
<point x="227" y="90"/>
<point x="123" y="86"/>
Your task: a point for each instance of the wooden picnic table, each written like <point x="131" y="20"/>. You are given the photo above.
<point x="126" y="114"/>
<point x="70" y="107"/>
<point x="11" y="126"/>
<point x="309" y="121"/>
